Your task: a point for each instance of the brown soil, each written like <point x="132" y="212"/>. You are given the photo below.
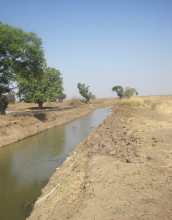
<point x="25" y="120"/>
<point x="122" y="171"/>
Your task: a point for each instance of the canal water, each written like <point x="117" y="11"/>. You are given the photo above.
<point x="26" y="166"/>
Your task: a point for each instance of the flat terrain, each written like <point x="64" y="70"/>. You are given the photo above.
<point x="24" y="120"/>
<point x="122" y="171"/>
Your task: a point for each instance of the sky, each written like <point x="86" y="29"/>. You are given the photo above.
<point x="101" y="42"/>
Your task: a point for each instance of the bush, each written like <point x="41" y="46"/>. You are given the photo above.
<point x="129" y="92"/>
<point x="121" y="92"/>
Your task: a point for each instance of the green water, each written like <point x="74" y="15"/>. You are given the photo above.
<point x="26" y="166"/>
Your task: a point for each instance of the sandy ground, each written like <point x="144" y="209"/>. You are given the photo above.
<point x="122" y="171"/>
<point x="25" y="120"/>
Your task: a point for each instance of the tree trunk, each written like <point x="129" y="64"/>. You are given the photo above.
<point x="60" y="100"/>
<point x="40" y="104"/>
<point x="3" y="112"/>
<point x="3" y="104"/>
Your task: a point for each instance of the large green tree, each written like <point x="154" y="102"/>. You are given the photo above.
<point x="21" y="55"/>
<point x="44" y="89"/>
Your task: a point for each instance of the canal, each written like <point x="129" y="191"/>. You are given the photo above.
<point x="26" y="166"/>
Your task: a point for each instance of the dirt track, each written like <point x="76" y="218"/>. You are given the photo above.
<point x="123" y="171"/>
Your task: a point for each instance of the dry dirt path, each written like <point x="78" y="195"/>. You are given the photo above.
<point x="123" y="171"/>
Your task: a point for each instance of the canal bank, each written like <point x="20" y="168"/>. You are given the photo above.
<point x="121" y="171"/>
<point x="22" y="124"/>
<point x="26" y="166"/>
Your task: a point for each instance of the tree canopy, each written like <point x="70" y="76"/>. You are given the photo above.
<point x="127" y="92"/>
<point x="119" y="91"/>
<point x="44" y="89"/>
<point x="21" y="54"/>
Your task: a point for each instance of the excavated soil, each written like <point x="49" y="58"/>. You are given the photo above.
<point x="122" y="171"/>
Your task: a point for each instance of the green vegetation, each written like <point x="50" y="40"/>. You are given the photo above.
<point x="40" y="90"/>
<point x="84" y="92"/>
<point x="119" y="91"/>
<point x="21" y="53"/>
<point x="22" y="63"/>
<point x="127" y="93"/>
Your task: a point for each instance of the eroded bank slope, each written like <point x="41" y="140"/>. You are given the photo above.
<point x="121" y="172"/>
<point x="23" y="122"/>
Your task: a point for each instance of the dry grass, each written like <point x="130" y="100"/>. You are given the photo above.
<point x="165" y="108"/>
<point x="161" y="104"/>
<point x="134" y="101"/>
<point x="75" y="102"/>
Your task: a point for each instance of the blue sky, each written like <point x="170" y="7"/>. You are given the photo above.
<point x="102" y="42"/>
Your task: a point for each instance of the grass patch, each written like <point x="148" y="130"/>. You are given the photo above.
<point x="134" y="101"/>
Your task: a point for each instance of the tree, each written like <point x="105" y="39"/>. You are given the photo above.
<point x="3" y="104"/>
<point x="21" y="54"/>
<point x="11" y="97"/>
<point x="61" y="97"/>
<point x="4" y="88"/>
<point x="46" y="88"/>
<point x="84" y="92"/>
<point x="129" y="92"/>
<point x="119" y="91"/>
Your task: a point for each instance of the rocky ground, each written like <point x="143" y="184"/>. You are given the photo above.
<point x="24" y="120"/>
<point x="122" y="171"/>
